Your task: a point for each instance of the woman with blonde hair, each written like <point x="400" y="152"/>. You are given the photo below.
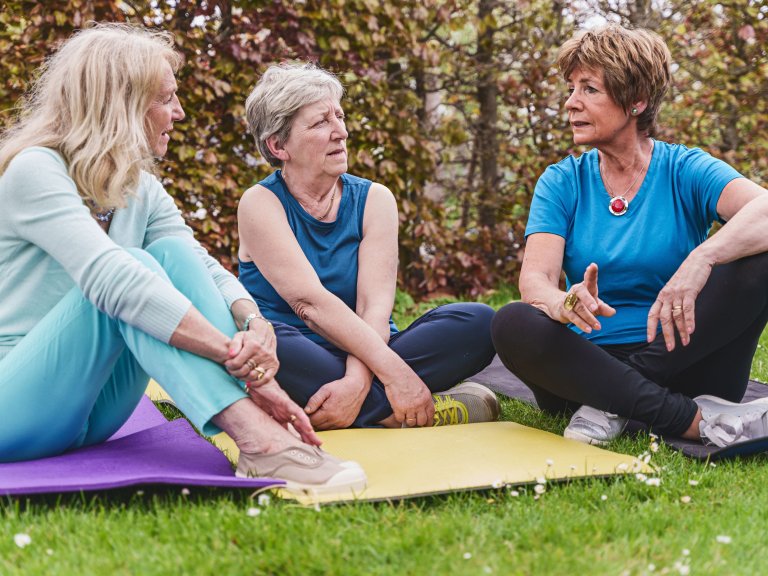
<point x="103" y="285"/>
<point x="639" y="210"/>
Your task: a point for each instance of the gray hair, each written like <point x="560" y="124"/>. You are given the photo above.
<point x="280" y="93"/>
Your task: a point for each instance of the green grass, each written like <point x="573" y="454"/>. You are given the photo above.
<point x="601" y="526"/>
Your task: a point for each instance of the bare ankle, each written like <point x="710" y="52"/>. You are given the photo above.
<point x="693" y="430"/>
<point x="252" y="430"/>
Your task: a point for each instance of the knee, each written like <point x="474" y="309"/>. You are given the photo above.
<point x="170" y="246"/>
<point x="476" y="319"/>
<point x="512" y="324"/>
<point x="145" y="258"/>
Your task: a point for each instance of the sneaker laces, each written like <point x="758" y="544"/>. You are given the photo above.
<point x="725" y="429"/>
<point x="447" y="410"/>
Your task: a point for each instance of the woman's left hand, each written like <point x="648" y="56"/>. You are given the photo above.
<point x="275" y="402"/>
<point x="253" y="354"/>
<point x="675" y="306"/>
<point x="336" y="404"/>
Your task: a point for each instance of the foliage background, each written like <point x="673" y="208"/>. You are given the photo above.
<point x="453" y="104"/>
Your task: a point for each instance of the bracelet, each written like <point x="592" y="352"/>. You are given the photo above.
<point x="253" y="316"/>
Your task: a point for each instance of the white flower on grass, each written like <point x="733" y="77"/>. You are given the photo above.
<point x="253" y="512"/>
<point x="693" y="482"/>
<point x="653" y="482"/>
<point x="654" y="446"/>
<point x="603" y="497"/>
<point x="185" y="491"/>
<point x="682" y="569"/>
<point x="713" y="465"/>
<point x="139" y="492"/>
<point x="685" y="499"/>
<point x="514" y="493"/>
<point x="651" y="567"/>
<point x="723" y="539"/>
<point x="22" y="540"/>
<point x="686" y="552"/>
<point x="641" y="477"/>
<point x="541" y="480"/>
<point x="49" y="552"/>
<point x="539" y="489"/>
<point x="263" y="500"/>
<point x="467" y="555"/>
<point x="497" y="484"/>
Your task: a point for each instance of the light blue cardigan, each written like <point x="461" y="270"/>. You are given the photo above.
<point x="49" y="242"/>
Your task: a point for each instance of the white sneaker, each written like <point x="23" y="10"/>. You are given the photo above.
<point x="594" y="426"/>
<point x="724" y="423"/>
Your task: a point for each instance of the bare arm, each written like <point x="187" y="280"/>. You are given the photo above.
<point x="539" y="284"/>
<point x="268" y="240"/>
<point x="744" y="205"/>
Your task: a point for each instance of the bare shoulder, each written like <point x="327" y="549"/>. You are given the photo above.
<point x="257" y="197"/>
<point x="381" y="195"/>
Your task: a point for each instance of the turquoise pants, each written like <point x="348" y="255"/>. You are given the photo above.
<point x="79" y="374"/>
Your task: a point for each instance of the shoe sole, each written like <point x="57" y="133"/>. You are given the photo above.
<point x="348" y="480"/>
<point x="721" y="406"/>
<point x="583" y="438"/>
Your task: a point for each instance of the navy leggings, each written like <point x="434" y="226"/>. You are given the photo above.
<point x="643" y="381"/>
<point x="444" y="346"/>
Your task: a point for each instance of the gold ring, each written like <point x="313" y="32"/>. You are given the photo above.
<point x="293" y="418"/>
<point x="677" y="307"/>
<point x="259" y="372"/>
<point x="570" y="301"/>
<point x="251" y="364"/>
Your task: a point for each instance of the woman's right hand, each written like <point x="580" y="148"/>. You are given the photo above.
<point x="588" y="305"/>
<point x="410" y="398"/>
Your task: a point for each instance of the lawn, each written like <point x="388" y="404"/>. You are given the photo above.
<point x="700" y="519"/>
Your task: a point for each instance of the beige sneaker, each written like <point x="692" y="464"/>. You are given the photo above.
<point x="465" y="403"/>
<point x="304" y="469"/>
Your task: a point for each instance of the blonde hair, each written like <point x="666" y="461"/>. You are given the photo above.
<point x="635" y="65"/>
<point x="89" y="103"/>
<point x="279" y="94"/>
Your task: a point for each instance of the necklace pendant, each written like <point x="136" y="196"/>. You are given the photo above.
<point x="618" y="205"/>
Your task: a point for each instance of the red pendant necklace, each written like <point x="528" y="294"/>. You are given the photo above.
<point x="618" y="204"/>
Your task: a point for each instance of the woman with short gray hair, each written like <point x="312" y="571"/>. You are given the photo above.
<point x="319" y="254"/>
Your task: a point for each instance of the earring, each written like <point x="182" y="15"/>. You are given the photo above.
<point x="634" y="111"/>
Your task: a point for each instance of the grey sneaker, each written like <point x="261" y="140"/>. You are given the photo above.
<point x="465" y="403"/>
<point x="724" y="423"/>
<point x="594" y="426"/>
<point x="304" y="469"/>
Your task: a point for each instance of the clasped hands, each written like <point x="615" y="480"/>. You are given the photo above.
<point x="252" y="355"/>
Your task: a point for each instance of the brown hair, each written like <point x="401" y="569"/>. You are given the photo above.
<point x="635" y="65"/>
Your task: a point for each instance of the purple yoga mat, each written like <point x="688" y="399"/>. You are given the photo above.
<point x="146" y="450"/>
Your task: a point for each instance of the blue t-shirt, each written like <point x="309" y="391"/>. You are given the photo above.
<point x="331" y="248"/>
<point x="638" y="252"/>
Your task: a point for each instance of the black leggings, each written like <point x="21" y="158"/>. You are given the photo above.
<point x="643" y="381"/>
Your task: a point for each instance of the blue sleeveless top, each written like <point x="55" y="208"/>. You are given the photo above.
<point x="330" y="247"/>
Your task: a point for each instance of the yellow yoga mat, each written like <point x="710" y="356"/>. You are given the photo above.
<point x="409" y="462"/>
